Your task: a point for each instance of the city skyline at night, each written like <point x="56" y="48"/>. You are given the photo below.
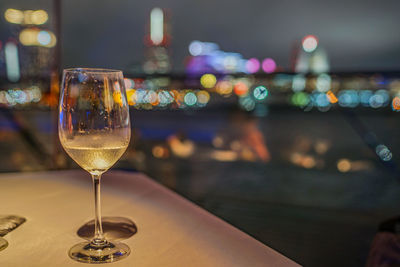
<point x="356" y="36"/>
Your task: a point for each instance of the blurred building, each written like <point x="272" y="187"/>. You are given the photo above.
<point x="28" y="52"/>
<point x="157" y="54"/>
<point x="309" y="56"/>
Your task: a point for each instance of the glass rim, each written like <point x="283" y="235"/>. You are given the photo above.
<point x="92" y="70"/>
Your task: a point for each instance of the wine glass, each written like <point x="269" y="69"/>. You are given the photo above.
<point x="3" y="243"/>
<point x="94" y="129"/>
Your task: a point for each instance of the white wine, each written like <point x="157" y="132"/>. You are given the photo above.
<point x="95" y="155"/>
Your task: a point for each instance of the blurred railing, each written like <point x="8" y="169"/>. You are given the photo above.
<point x="313" y="91"/>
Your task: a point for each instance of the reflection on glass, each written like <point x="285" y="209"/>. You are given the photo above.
<point x="94" y="130"/>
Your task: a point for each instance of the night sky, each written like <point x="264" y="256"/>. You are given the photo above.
<point x="359" y="35"/>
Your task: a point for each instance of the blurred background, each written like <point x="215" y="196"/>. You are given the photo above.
<point x="280" y="117"/>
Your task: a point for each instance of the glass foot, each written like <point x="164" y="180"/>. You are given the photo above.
<point x="3" y="243"/>
<point x="88" y="253"/>
<point x="114" y="228"/>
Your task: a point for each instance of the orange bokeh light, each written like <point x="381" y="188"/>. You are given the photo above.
<point x="331" y="96"/>
<point x="241" y="88"/>
<point x="396" y="103"/>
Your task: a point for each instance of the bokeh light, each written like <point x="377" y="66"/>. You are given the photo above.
<point x="28" y="36"/>
<point x="44" y="38"/>
<point x="383" y="152"/>
<point x="160" y="152"/>
<point x="203" y="97"/>
<point x="308" y="162"/>
<point x="151" y="97"/>
<point x="129" y="83"/>
<point x="310" y="43"/>
<point x="157" y="26"/>
<point x="28" y="17"/>
<point x="16" y="96"/>
<point x="39" y="17"/>
<point x="300" y="99"/>
<point x="14" y="16"/>
<point x="190" y="99"/>
<point x="165" y="98"/>
<point x="332" y="97"/>
<point x="379" y="99"/>
<point x="252" y="65"/>
<point x="298" y="83"/>
<point x="385" y="96"/>
<point x="321" y="147"/>
<point x="198" y="48"/>
<point x="348" y="98"/>
<point x="344" y="165"/>
<point x="241" y="89"/>
<point x="321" y="100"/>
<point x="305" y="161"/>
<point x="365" y="96"/>
<point x="268" y="65"/>
<point x="36" y="37"/>
<point x="130" y="95"/>
<point x="195" y="48"/>
<point x="208" y="80"/>
<point x="11" y="56"/>
<point x="260" y="92"/>
<point x="224" y="88"/>
<point x="231" y="62"/>
<point x="218" y="141"/>
<point x="53" y="40"/>
<point x="396" y="103"/>
<point x="247" y="103"/>
<point x="323" y="82"/>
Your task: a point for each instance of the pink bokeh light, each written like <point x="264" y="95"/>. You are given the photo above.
<point x="253" y="65"/>
<point x="268" y="65"/>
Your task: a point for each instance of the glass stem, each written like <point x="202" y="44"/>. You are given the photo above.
<point x="98" y="239"/>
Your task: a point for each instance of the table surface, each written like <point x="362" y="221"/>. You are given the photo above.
<point x="171" y="230"/>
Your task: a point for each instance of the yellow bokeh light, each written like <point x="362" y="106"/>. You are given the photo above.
<point x="28" y="37"/>
<point x="31" y="37"/>
<point x="208" y="80"/>
<point x="39" y="17"/>
<point x="130" y="94"/>
<point x="14" y="16"/>
<point x="29" y="17"/>
<point x="344" y="165"/>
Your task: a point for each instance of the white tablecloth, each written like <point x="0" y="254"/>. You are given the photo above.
<point x="171" y="230"/>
